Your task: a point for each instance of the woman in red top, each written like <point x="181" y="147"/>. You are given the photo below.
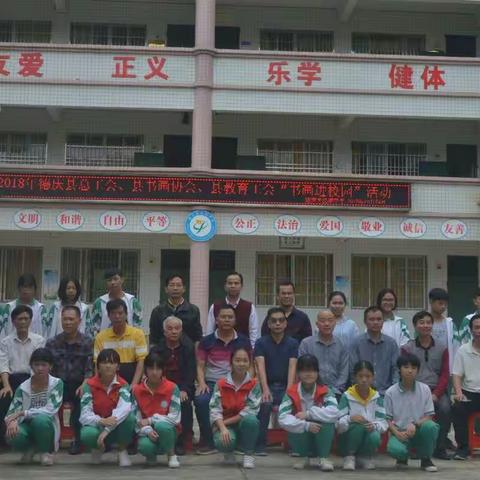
<point x="233" y="410"/>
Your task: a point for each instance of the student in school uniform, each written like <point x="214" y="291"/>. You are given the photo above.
<point x="345" y="328"/>
<point x="393" y="325"/>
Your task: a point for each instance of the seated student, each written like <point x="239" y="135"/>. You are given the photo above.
<point x="157" y="407"/>
<point x="234" y="407"/>
<point x="409" y="408"/>
<point x="32" y="419"/>
<point x="308" y="413"/>
<point x="105" y="410"/>
<point x="362" y="419"/>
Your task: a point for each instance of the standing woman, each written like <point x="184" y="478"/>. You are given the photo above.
<point x="32" y="419"/>
<point x="362" y="420"/>
<point x="393" y="326"/>
<point x="234" y="408"/>
<point x="345" y="329"/>
<point x="69" y="293"/>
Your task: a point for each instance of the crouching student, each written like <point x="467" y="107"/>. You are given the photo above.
<point x="32" y="419"/>
<point x="362" y="420"/>
<point x="158" y="412"/>
<point x="105" y="416"/>
<point x="308" y="412"/>
<point x="234" y="408"/>
<point x="409" y="410"/>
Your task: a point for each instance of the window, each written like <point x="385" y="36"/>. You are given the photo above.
<point x="375" y="158"/>
<point x="297" y="156"/>
<point x="28" y="31"/>
<point x="108" y="34"/>
<point x="406" y="275"/>
<point x="387" y="44"/>
<point x="106" y="140"/>
<point x="13" y="262"/>
<point x="291" y="41"/>
<point x="30" y="148"/>
<point x="88" y="265"/>
<point x="311" y="274"/>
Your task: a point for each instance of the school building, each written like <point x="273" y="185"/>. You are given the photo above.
<point x="334" y="142"/>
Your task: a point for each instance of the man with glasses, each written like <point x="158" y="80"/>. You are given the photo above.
<point x="434" y="371"/>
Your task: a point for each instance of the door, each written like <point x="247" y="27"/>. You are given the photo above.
<point x="177" y="150"/>
<point x="181" y="36"/>
<point x="227" y="37"/>
<point x="462" y="283"/>
<point x="462" y="161"/>
<point x="224" y="152"/>
<point x="222" y="262"/>
<point x="461" y="46"/>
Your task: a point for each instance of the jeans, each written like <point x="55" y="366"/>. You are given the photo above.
<point x="278" y="391"/>
<point x="69" y="395"/>
<point x="202" y="410"/>
<point x="187" y="417"/>
<point x="443" y="418"/>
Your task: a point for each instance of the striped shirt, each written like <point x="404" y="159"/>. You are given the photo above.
<point x="131" y="345"/>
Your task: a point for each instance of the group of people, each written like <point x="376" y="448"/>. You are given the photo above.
<point x="132" y="394"/>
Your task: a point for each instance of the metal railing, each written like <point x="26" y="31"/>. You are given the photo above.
<point x="386" y="164"/>
<point x="289" y="161"/>
<point x="18" y="154"/>
<point x="100" y="156"/>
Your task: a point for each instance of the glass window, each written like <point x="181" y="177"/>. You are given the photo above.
<point x="302" y="41"/>
<point x="108" y="34"/>
<point x="388" y="44"/>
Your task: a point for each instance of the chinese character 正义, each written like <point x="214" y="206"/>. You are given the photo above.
<point x="123" y="65"/>
<point x="156" y="65"/>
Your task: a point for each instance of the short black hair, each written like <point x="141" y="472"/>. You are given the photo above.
<point x="371" y="308"/>
<point x="238" y="349"/>
<point x="285" y="282"/>
<point x="62" y="288"/>
<point x="73" y="308"/>
<point x="108" y="355"/>
<point x="474" y="317"/>
<point x="307" y="362"/>
<point x="116" y="303"/>
<point x="19" y="309"/>
<point x="438" y="294"/>
<point x="273" y="310"/>
<point x="41" y="355"/>
<point x="382" y="293"/>
<point x="27" y="280"/>
<point x="419" y="315"/>
<point x="408" y="359"/>
<point x="111" y="272"/>
<point x="172" y="276"/>
<point x="155" y="358"/>
<point x="226" y="306"/>
<point x="235" y="273"/>
<point x="334" y="294"/>
<point x="363" y="365"/>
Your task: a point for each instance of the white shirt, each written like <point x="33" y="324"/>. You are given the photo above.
<point x="15" y="353"/>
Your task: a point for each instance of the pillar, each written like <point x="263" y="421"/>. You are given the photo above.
<point x="199" y="277"/>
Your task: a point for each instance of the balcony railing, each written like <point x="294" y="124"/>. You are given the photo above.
<point x="288" y="161"/>
<point x="100" y="156"/>
<point x="386" y="164"/>
<point x="33" y="154"/>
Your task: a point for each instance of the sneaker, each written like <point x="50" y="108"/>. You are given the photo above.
<point x="206" y="450"/>
<point x="460" y="454"/>
<point x="75" y="448"/>
<point x="248" y="461"/>
<point x="27" y="457"/>
<point x="401" y="464"/>
<point x="124" y="459"/>
<point x="173" y="462"/>
<point x="366" y="462"/>
<point x="47" y="459"/>
<point x="151" y="461"/>
<point x="229" y="458"/>
<point x="325" y="465"/>
<point x="442" y="455"/>
<point x="302" y="464"/>
<point x="427" y="465"/>
<point x="96" y="456"/>
<point x="349" y="463"/>
<point x="261" y="453"/>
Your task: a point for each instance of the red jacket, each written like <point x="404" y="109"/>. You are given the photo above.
<point x="233" y="402"/>
<point x="319" y="395"/>
<point x="104" y="403"/>
<point x="158" y="401"/>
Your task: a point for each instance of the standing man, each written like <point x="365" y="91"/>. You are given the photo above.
<point x="180" y="368"/>
<point x="330" y="352"/>
<point x="15" y="352"/>
<point x="114" y="283"/>
<point x="464" y="333"/>
<point x="434" y="372"/>
<point x="275" y="360"/>
<point x="466" y="385"/>
<point x="213" y="363"/>
<point x="298" y="323"/>
<point x="27" y="289"/>
<point x="245" y="313"/>
<point x="377" y="348"/>
<point x="72" y="362"/>
<point x="129" y="342"/>
<point x="178" y="307"/>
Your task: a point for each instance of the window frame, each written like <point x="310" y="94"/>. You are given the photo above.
<point x="14" y="30"/>
<point x="295" y="40"/>
<point x="108" y="33"/>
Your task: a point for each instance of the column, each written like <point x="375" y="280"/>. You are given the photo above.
<point x="199" y="277"/>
